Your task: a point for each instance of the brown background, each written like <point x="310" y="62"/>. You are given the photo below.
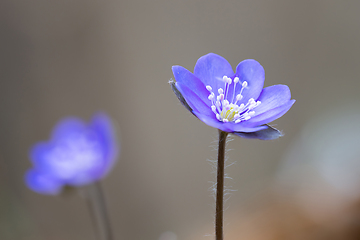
<point x="75" y="57"/>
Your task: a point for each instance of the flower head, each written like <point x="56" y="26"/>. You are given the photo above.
<point x="77" y="154"/>
<point x="232" y="102"/>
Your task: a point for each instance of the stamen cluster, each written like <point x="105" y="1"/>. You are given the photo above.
<point x="231" y="111"/>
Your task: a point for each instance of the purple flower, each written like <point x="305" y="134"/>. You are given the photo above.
<point x="77" y="154"/>
<point x="232" y="102"/>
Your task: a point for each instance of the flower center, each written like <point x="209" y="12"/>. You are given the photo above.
<point x="231" y="111"/>
<point x="75" y="156"/>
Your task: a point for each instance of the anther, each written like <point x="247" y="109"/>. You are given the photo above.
<point x="226" y="79"/>
<point x="211" y="96"/>
<point x="227" y="109"/>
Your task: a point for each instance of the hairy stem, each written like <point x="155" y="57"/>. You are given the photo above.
<point x="220" y="187"/>
<point x="97" y="206"/>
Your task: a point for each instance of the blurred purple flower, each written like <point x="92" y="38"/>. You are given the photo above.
<point x="232" y="102"/>
<point x="77" y="154"/>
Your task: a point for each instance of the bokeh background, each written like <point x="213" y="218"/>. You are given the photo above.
<point x="76" y="57"/>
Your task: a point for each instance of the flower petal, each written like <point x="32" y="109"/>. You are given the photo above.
<point x="179" y="96"/>
<point x="193" y="100"/>
<point x="68" y="127"/>
<point x="43" y="183"/>
<point x="253" y="73"/>
<point x="211" y="68"/>
<point x="226" y="127"/>
<point x="103" y="128"/>
<point x="268" y="133"/>
<point x="272" y="97"/>
<point x="184" y="76"/>
<point x="42" y="157"/>
<point x="270" y="115"/>
<point x="239" y="127"/>
<point x="212" y="122"/>
<point x="38" y="154"/>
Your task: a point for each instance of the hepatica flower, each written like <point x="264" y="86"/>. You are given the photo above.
<point x="232" y="102"/>
<point x="77" y="154"/>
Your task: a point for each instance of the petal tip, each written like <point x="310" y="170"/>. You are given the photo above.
<point x="179" y="95"/>
<point x="175" y="68"/>
<point x="269" y="133"/>
<point x="42" y="183"/>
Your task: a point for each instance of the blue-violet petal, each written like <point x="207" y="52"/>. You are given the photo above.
<point x="187" y="78"/>
<point x="268" y="133"/>
<point x="254" y="74"/>
<point x="211" y="69"/>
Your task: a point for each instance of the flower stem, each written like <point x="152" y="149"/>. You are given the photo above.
<point x="97" y="208"/>
<point x="220" y="187"/>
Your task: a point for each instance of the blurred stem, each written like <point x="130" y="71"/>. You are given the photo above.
<point x="97" y="207"/>
<point x="220" y="187"/>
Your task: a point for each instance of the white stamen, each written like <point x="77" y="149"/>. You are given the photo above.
<point x="236" y="80"/>
<point x="211" y="96"/>
<point x="241" y="107"/>
<point x="226" y="79"/>
<point x="226" y="108"/>
<point x="213" y="108"/>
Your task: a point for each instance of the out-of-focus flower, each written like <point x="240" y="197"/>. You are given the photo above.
<point x="232" y="102"/>
<point x="77" y="154"/>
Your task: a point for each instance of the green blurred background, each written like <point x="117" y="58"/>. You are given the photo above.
<point x="75" y="57"/>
